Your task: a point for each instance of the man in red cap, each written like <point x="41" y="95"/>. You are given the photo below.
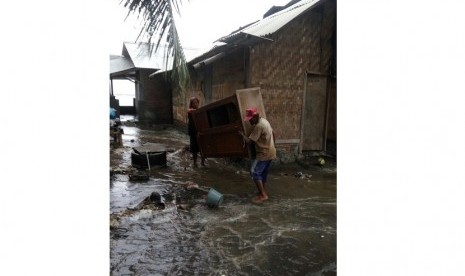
<point x="263" y="137"/>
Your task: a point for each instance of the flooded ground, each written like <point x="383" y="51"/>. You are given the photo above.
<point x="293" y="233"/>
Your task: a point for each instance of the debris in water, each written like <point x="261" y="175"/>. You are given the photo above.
<point x="154" y="200"/>
<point x="302" y="175"/>
<point x="157" y="199"/>
<point x="191" y="185"/>
<point x="184" y="207"/>
<point x="114" y="222"/>
<point x="138" y="177"/>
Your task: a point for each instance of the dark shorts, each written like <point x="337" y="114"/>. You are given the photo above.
<point x="259" y="170"/>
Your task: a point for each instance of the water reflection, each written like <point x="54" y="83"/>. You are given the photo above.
<point x="293" y="233"/>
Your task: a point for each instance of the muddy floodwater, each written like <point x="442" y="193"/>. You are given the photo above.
<point x="293" y="233"/>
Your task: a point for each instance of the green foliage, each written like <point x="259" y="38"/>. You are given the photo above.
<point x="158" y="24"/>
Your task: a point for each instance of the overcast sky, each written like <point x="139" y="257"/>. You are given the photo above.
<point x="200" y="24"/>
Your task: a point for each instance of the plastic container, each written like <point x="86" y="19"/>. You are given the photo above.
<point x="214" y="198"/>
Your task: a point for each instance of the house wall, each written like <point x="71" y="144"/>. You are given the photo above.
<point x="332" y="114"/>
<point x="279" y="68"/>
<point x="227" y="75"/>
<point x="181" y="100"/>
<point x="153" y="99"/>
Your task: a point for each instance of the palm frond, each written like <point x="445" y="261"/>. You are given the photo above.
<point x="158" y="23"/>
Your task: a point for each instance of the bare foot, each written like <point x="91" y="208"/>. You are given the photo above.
<point x="259" y="199"/>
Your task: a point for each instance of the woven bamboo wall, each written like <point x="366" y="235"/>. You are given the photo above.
<point x="228" y="75"/>
<point x="332" y="114"/>
<point x="327" y="31"/>
<point x="181" y="102"/>
<point x="279" y="68"/>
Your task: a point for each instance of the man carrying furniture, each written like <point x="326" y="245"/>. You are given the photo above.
<point x="263" y="137"/>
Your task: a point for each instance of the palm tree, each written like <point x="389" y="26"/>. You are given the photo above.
<point x="158" y="23"/>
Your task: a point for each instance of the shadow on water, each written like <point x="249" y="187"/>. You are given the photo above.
<point x="293" y="233"/>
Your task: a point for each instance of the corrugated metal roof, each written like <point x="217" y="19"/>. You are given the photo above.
<point x="120" y="64"/>
<point x="274" y="22"/>
<point x="258" y="31"/>
<point x="145" y="58"/>
<point x="255" y="32"/>
<point x="213" y="51"/>
<point x="140" y="55"/>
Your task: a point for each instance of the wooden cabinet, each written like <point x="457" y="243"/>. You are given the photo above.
<point x="218" y="124"/>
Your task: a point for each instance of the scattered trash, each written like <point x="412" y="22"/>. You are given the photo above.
<point x="184" y="207"/>
<point x="190" y="185"/>
<point x="114" y="222"/>
<point x="321" y="161"/>
<point x="119" y="170"/>
<point x="242" y="172"/>
<point x="138" y="177"/>
<point x="169" y="197"/>
<point x="154" y="200"/>
<point x="302" y="175"/>
<point x="116" y="134"/>
<point x="157" y="199"/>
<point x="113" y="114"/>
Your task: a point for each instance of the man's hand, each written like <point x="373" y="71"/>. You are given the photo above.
<point x="246" y="139"/>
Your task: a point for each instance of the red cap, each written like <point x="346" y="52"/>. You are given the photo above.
<point x="249" y="113"/>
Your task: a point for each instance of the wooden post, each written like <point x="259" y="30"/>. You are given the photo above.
<point x="302" y="118"/>
<point x="111" y="87"/>
<point x="325" y="134"/>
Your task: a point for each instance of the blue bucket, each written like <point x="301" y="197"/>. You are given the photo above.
<point x="214" y="198"/>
